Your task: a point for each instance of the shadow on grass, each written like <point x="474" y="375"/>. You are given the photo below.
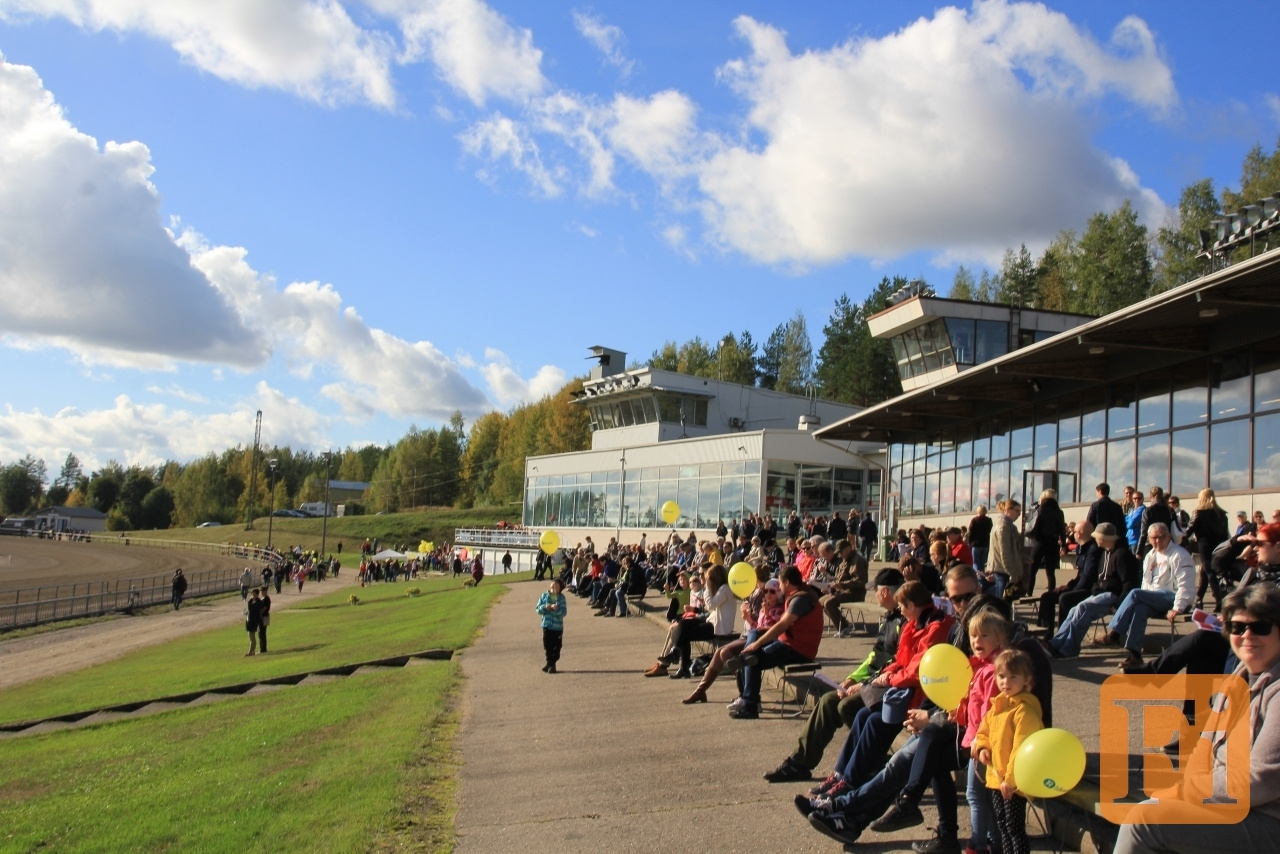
<point x="306" y="648"/>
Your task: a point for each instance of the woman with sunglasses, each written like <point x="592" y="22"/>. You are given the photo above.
<point x="1251" y="619"/>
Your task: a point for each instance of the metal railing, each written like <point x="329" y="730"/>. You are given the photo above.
<point x="495" y="537"/>
<point x="225" y="549"/>
<point x="31" y="606"/>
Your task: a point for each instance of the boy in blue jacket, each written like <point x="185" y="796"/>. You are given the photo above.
<point x="552" y="607"/>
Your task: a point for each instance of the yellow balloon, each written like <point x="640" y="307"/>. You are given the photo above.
<point x="742" y="579"/>
<point x="1049" y="763"/>
<point x="945" y="674"/>
<point x="670" y="512"/>
<point x="549" y="541"/>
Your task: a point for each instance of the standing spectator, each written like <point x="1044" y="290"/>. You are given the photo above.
<point x="1005" y="568"/>
<point x="457" y="564"/>
<point x="1102" y="510"/>
<point x="179" y="587"/>
<point x="1049" y="534"/>
<point x="1013" y="715"/>
<point x="246" y="579"/>
<point x="979" y="538"/>
<point x="552" y="606"/>
<point x="1156" y="512"/>
<point x="867" y="533"/>
<point x="506" y="562"/>
<point x="253" y="620"/>
<point x="265" y="620"/>
<point x="1209" y="529"/>
<point x="477" y="569"/>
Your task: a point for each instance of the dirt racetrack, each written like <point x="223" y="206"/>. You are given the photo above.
<point x="30" y="562"/>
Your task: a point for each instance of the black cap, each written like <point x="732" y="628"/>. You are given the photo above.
<point x="889" y="578"/>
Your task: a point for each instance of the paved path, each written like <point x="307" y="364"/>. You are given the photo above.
<point x="66" y="650"/>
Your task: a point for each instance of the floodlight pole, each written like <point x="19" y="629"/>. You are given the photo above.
<point x="324" y="527"/>
<point x="272" y="515"/>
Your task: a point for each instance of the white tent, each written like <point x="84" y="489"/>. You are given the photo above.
<point x="387" y="554"/>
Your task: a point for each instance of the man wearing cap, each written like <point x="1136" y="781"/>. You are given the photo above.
<point x="1110" y="572"/>
<point x="837" y="708"/>
<point x="849" y="584"/>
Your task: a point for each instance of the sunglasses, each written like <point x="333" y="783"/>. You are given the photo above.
<point x="1258" y="628"/>
<point x="962" y="598"/>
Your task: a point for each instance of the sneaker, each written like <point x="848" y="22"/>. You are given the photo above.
<point x="1110" y="639"/>
<point x="737" y="662"/>
<point x="551" y="669"/>
<point x="901" y="815"/>
<point x="804" y="804"/>
<point x="736" y="704"/>
<point x="745" y="712"/>
<point x="835" y="825"/>
<point x="821" y="788"/>
<point x="827" y="800"/>
<point x="788" y="772"/>
<point x="846" y="632"/>
<point x="939" y="844"/>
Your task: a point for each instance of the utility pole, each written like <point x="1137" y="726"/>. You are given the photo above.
<point x="324" y="526"/>
<point x="272" y="515"/>
<point x="253" y="472"/>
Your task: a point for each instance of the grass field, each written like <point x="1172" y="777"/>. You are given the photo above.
<point x="436" y="524"/>
<point x="356" y="764"/>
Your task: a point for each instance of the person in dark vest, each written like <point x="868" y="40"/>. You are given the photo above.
<point x="179" y="587"/>
<point x="792" y="640"/>
<point x="253" y="620"/>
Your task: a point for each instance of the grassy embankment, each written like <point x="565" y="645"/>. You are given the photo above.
<point x="434" y="524"/>
<point x="356" y="764"/>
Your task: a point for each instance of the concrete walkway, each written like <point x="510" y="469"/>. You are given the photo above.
<point x="597" y="758"/>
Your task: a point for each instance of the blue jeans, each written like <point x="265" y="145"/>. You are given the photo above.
<point x="776" y="654"/>
<point x="980" y="557"/>
<point x="621" y="597"/>
<point x="981" y="817"/>
<point x="873" y="797"/>
<point x="1071" y="634"/>
<point x="1132" y="615"/>
<point x="865" y="750"/>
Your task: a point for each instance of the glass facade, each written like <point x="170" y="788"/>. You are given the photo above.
<point x="647" y="409"/>
<point x="706" y="493"/>
<point x="948" y="341"/>
<point x="1204" y="423"/>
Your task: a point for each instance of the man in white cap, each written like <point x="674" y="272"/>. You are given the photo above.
<point x="1110" y="572"/>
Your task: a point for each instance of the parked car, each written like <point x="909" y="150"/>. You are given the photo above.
<point x="16" y="526"/>
<point x="209" y="525"/>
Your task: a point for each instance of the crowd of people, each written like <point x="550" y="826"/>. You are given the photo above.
<point x="958" y="586"/>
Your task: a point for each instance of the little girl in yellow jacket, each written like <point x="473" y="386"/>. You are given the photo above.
<point x="1013" y="715"/>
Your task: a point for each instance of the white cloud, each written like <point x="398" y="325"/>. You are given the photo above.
<point x="84" y="261"/>
<point x="960" y="134"/>
<point x="175" y="390"/>
<point x="1272" y="100"/>
<point x="140" y="434"/>
<point x="311" y="48"/>
<point x="500" y="138"/>
<point x="607" y="38"/>
<point x="588" y="231"/>
<point x="509" y="388"/>
<point x="475" y="50"/>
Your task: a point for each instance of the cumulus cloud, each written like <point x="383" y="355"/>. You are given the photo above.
<point x="501" y="139"/>
<point x="475" y="49"/>
<point x="969" y="120"/>
<point x="509" y="388"/>
<point x="149" y="434"/>
<point x="606" y="38"/>
<point x="311" y="48"/>
<point x="83" y="256"/>
<point x="1272" y="100"/>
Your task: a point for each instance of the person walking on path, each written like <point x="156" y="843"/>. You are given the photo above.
<point x="246" y="579"/>
<point x="552" y="607"/>
<point x="179" y="587"/>
<point x="506" y="562"/>
<point x="266" y="619"/>
<point x="253" y="620"/>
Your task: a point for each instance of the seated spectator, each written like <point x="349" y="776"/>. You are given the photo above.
<point x="837" y="708"/>
<point x="792" y="640"/>
<point x="848" y="584"/>
<point x="1252" y="618"/>
<point x="959" y="553"/>
<point x="913" y="570"/>
<point x="760" y="611"/>
<point x="1109" y="575"/>
<point x="683" y="626"/>
<point x="869" y="736"/>
<point x="1168" y="587"/>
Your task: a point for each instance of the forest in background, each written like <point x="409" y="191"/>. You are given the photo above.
<point x="1114" y="263"/>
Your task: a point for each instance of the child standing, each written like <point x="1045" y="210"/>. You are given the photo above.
<point x="552" y="607"/>
<point x="1014" y="714"/>
<point x="988" y="634"/>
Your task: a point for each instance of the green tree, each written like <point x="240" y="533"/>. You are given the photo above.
<point x="1056" y="274"/>
<point x="1178" y="241"/>
<point x="738" y="359"/>
<point x="1114" y="265"/>
<point x="666" y="357"/>
<point x="770" y="361"/>
<point x="156" y="509"/>
<point x="1019" y="279"/>
<point x="965" y="286"/>
<point x="21" y="485"/>
<point x="795" y="365"/>
<point x="137" y="484"/>
<point x="854" y="367"/>
<point x="200" y="494"/>
<point x="105" y="485"/>
<point x="481" y="457"/>
<point x="988" y="285"/>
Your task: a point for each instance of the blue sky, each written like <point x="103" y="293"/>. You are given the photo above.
<point x="361" y="215"/>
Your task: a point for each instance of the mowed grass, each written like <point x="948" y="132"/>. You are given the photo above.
<point x="324" y="768"/>
<point x="363" y="763"/>
<point x="323" y="632"/>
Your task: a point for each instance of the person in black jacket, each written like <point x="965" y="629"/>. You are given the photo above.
<point x="1157" y="511"/>
<point x="179" y="587"/>
<point x="1109" y="573"/>
<point x="1209" y="527"/>
<point x="1049" y="534"/>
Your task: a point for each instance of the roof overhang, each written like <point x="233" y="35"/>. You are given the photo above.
<point x="1234" y="307"/>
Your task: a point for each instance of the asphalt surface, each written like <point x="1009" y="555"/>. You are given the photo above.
<point x="597" y="758"/>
